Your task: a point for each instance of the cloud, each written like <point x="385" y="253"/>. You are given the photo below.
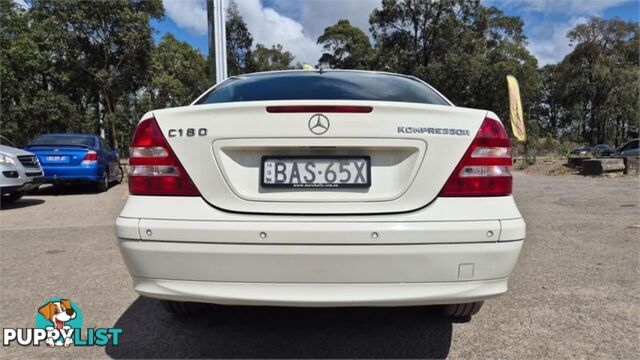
<point x="319" y="14"/>
<point x="269" y="27"/>
<point x="548" y="40"/>
<point x="574" y="7"/>
<point x="547" y="22"/>
<point x="277" y="24"/>
<point x="188" y="14"/>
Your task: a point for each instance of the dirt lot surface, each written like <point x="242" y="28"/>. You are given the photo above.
<point x="575" y="291"/>
<point x="551" y="167"/>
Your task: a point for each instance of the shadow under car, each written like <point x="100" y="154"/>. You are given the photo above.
<point x="282" y="332"/>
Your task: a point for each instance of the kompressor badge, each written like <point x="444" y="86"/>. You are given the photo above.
<point x="432" y="130"/>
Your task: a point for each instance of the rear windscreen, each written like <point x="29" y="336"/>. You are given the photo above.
<point x="64" y="140"/>
<point x="331" y="85"/>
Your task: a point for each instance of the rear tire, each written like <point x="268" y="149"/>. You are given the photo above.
<point x="180" y="308"/>
<point x="120" y="176"/>
<point x="103" y="184"/>
<point x="462" y="310"/>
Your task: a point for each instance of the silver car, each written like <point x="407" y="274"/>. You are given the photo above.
<point x="20" y="170"/>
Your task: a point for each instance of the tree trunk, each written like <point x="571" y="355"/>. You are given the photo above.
<point x="110" y="114"/>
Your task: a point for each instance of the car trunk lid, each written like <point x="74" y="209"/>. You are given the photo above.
<point x="59" y="155"/>
<point x="413" y="149"/>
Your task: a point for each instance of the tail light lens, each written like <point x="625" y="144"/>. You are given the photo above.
<point x="90" y="158"/>
<point x="485" y="169"/>
<point x="154" y="169"/>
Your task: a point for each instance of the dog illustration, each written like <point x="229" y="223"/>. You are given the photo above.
<point x="58" y="312"/>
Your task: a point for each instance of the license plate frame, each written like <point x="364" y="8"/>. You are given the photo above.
<point x="56" y="159"/>
<point x="307" y="186"/>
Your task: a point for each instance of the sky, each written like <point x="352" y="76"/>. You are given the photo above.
<point x="296" y="24"/>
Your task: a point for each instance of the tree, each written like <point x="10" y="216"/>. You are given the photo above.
<point x="241" y="58"/>
<point x="345" y="46"/>
<point x="32" y="75"/>
<point x="239" y="42"/>
<point x="548" y="107"/>
<point x="462" y="48"/>
<point x="269" y="59"/>
<point x="177" y="74"/>
<point x="110" y="43"/>
<point x="73" y="66"/>
<point x="408" y="32"/>
<point x="597" y="83"/>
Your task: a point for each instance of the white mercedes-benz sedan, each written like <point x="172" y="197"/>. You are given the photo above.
<point x="321" y="188"/>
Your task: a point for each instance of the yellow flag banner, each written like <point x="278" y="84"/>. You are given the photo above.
<point x="515" y="109"/>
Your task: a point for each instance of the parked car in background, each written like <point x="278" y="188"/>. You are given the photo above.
<point x="582" y="150"/>
<point x="72" y="158"/>
<point x="603" y="150"/>
<point x="632" y="148"/>
<point x="20" y="170"/>
<point x="595" y="150"/>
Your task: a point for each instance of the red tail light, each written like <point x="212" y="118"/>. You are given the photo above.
<point x="319" y="109"/>
<point x="485" y="169"/>
<point x="154" y="169"/>
<point x="91" y="157"/>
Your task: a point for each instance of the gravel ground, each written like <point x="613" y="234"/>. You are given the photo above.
<point x="575" y="291"/>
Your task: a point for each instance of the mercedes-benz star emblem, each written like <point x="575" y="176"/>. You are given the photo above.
<point x="318" y="124"/>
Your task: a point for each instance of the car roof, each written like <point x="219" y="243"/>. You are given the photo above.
<point x="319" y="71"/>
<point x="276" y="73"/>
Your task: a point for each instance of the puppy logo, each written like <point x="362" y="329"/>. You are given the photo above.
<point x="59" y="317"/>
<point x="59" y="324"/>
<point x="58" y="312"/>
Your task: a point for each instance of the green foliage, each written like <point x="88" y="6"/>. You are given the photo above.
<point x="68" y="64"/>
<point x="80" y="66"/>
<point x="269" y="59"/>
<point x="592" y="95"/>
<point x="345" y="47"/>
<point x="30" y="71"/>
<point x="462" y="48"/>
<point x="239" y="42"/>
<point x="177" y="74"/>
<point x="466" y="50"/>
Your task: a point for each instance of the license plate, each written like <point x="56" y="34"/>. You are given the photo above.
<point x="316" y="172"/>
<point x="56" y="158"/>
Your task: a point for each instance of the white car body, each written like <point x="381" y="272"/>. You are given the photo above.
<point x="396" y="243"/>
<point x="19" y="170"/>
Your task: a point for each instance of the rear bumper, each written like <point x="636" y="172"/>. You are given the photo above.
<point x="72" y="173"/>
<point x="453" y="251"/>
<point x="320" y="275"/>
<point x="321" y="295"/>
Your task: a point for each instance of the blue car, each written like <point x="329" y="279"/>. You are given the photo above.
<point x="67" y="158"/>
